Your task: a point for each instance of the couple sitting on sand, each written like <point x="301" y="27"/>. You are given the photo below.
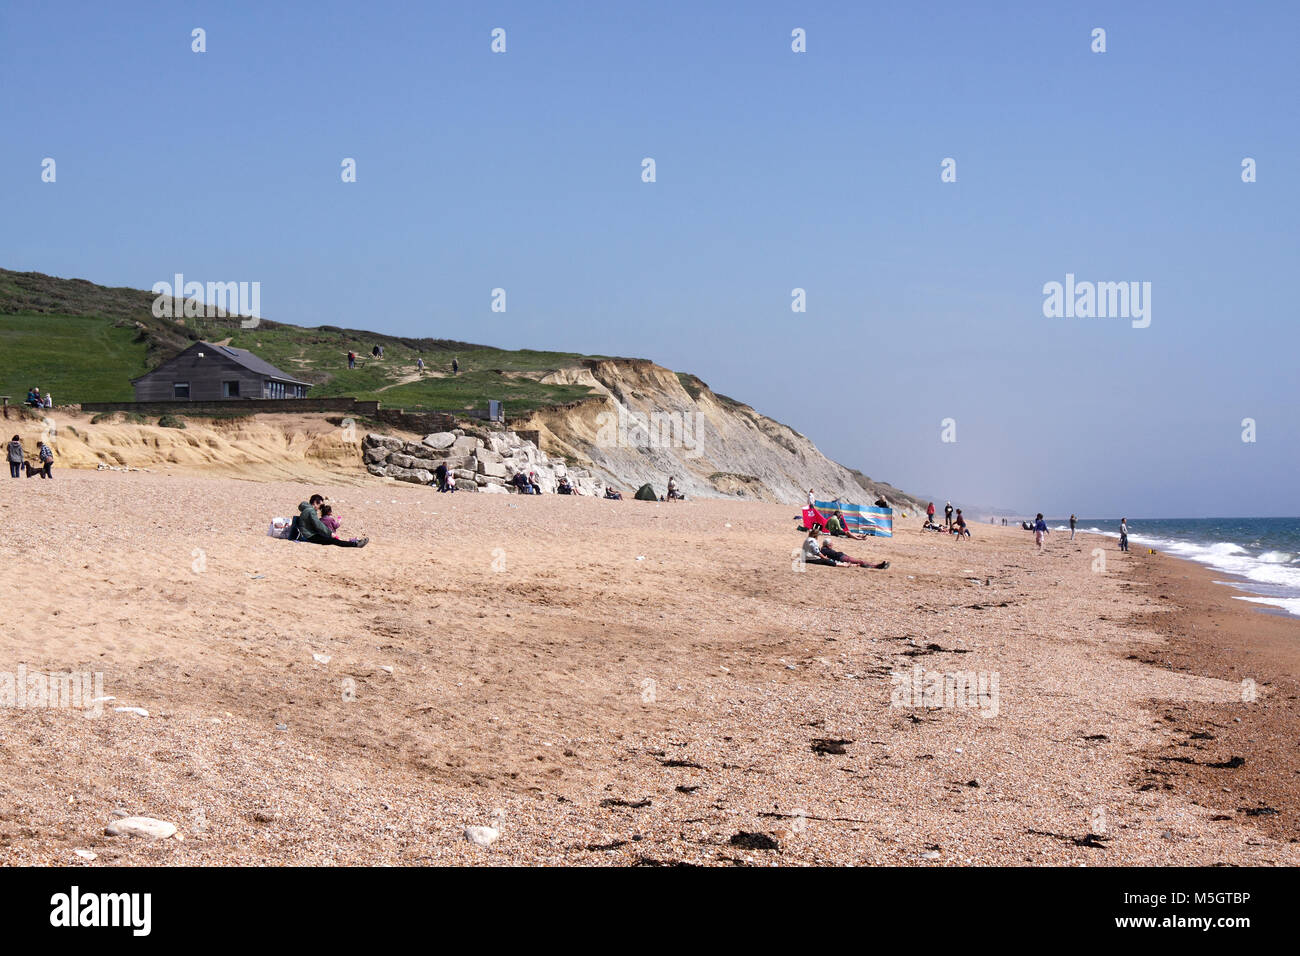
<point x="816" y="551"/>
<point x="316" y="524"/>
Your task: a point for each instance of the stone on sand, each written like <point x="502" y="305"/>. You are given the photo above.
<point x="482" y="836"/>
<point x="145" y="827"/>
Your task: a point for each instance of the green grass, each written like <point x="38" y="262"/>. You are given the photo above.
<point x="320" y="356"/>
<point x="84" y="342"/>
<point x="74" y="358"/>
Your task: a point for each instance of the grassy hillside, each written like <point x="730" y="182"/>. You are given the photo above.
<point x="84" y="342"/>
<point x="69" y="356"/>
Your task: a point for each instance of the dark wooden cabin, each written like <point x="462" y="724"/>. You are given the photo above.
<point x="207" y="373"/>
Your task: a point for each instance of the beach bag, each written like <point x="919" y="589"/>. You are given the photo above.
<point x="281" y="528"/>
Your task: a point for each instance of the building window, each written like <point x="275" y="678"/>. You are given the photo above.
<point x="180" y="390"/>
<point x="230" y="389"/>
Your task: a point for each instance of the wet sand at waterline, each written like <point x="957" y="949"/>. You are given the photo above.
<point x="610" y="682"/>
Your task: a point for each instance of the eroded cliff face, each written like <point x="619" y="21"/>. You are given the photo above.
<point x="646" y="423"/>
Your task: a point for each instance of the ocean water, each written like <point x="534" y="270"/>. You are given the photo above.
<point x="1260" y="556"/>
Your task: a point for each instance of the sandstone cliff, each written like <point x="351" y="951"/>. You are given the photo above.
<point x="645" y="422"/>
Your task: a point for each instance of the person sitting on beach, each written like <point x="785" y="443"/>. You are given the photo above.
<point x="812" y="550"/>
<point x="829" y="554"/>
<point x="1040" y="529"/>
<point x="613" y="495"/>
<point x="882" y="502"/>
<point x="521" y="482"/>
<point x="329" y="520"/>
<point x="959" y="526"/>
<point x="563" y="487"/>
<point x="673" y="493"/>
<point x="838" y="526"/>
<point x="312" y="529"/>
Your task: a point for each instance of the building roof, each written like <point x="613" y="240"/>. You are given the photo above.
<point x="243" y="357"/>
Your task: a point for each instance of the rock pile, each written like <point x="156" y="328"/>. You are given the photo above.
<point x="474" y="463"/>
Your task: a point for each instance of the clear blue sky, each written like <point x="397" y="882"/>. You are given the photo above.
<point x="775" y="170"/>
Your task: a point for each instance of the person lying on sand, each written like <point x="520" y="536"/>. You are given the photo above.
<point x="816" y="551"/>
<point x="313" y="530"/>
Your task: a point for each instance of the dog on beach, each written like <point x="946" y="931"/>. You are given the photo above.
<point x="32" y="470"/>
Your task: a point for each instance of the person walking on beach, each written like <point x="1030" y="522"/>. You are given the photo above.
<point x="947" y="515"/>
<point x="1040" y="529"/>
<point x="16" y="457"/>
<point x="455" y="367"/>
<point x="46" y="454"/>
<point x="1123" y="534"/>
<point x="1073" y="522"/>
<point x="419" y="365"/>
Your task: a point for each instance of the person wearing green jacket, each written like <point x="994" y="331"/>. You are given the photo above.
<point x="313" y="530"/>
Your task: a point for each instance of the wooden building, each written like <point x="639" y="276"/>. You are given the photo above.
<point x="205" y="373"/>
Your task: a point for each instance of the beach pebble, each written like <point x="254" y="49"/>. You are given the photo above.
<point x="86" y="854"/>
<point x="281" y="726"/>
<point x="482" y="836"/>
<point x="138" y="711"/>
<point x="930" y="855"/>
<point x="146" y="827"/>
<point x="321" y="658"/>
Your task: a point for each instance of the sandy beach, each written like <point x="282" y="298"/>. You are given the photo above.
<point x="618" y="683"/>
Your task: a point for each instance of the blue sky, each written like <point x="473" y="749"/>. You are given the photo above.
<point x="775" y="170"/>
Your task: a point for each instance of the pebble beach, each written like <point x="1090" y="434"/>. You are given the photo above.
<point x="512" y="680"/>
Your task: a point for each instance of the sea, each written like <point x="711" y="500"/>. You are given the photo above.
<point x="1258" y="556"/>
